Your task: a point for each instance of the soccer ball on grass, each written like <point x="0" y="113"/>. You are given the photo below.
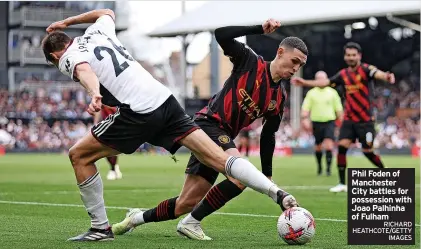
<point x="296" y="226"/>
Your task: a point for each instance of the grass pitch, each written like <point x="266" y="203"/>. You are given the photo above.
<point x="40" y="205"/>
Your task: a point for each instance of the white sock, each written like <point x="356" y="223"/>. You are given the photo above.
<point x="189" y="219"/>
<point x="138" y="219"/>
<point x="91" y="193"/>
<point x="250" y="176"/>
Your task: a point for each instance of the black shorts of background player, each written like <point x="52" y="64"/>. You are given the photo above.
<point x="358" y="117"/>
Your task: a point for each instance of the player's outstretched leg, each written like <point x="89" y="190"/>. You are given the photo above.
<point x="215" y="199"/>
<point x="341" y="161"/>
<point x="83" y="155"/>
<point x="213" y="156"/>
<point x="114" y="172"/>
<point x="194" y="189"/>
<point x="373" y="158"/>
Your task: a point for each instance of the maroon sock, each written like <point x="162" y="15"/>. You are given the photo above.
<point x="113" y="161"/>
<point x="375" y="159"/>
<point x="216" y="198"/>
<point x="164" y="211"/>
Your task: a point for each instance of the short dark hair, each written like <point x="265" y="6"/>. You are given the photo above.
<point x="353" y="45"/>
<point x="53" y="42"/>
<point x="294" y="42"/>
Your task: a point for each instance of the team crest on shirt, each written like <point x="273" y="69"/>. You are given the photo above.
<point x="272" y="105"/>
<point x="224" y="139"/>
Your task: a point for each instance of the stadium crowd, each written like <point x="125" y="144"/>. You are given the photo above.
<point x="56" y="119"/>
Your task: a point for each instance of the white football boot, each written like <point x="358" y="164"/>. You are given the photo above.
<point x="191" y="230"/>
<point x="118" y="173"/>
<point x="339" y="188"/>
<point x="111" y="175"/>
<point x="114" y="174"/>
<point x="128" y="224"/>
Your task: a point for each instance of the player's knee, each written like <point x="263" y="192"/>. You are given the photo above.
<point x="328" y="144"/>
<point x="217" y="160"/>
<point x="75" y="156"/>
<point x="344" y="143"/>
<point x="237" y="183"/>
<point x="367" y="150"/>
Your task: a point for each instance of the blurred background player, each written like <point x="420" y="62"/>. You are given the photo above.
<point x="322" y="105"/>
<point x="358" y="119"/>
<point x="114" y="172"/>
<point x="244" y="141"/>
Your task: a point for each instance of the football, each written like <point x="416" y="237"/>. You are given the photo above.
<point x="296" y="226"/>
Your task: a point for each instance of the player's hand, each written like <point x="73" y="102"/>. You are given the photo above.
<point x="95" y="105"/>
<point x="390" y="77"/>
<point x="60" y="25"/>
<point x="270" y="25"/>
<point x="306" y="123"/>
<point x="297" y="81"/>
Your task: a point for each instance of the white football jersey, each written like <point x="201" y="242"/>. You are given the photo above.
<point x="123" y="81"/>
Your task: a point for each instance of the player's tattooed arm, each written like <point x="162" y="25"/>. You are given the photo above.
<point x="97" y="118"/>
<point x="88" y="79"/>
<point x="88" y="17"/>
<point x="267" y="143"/>
<point x="83" y="72"/>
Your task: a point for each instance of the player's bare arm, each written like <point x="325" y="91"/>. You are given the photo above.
<point x="97" y="117"/>
<point x="267" y="143"/>
<point x="90" y="82"/>
<point x="340" y="115"/>
<point x="385" y="76"/>
<point x="298" y="81"/>
<point x="305" y="119"/>
<point x="88" y="17"/>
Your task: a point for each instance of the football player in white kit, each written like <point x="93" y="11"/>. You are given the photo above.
<point x="146" y="112"/>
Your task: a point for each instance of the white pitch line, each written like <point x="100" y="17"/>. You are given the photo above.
<point x="71" y="192"/>
<point x="126" y="208"/>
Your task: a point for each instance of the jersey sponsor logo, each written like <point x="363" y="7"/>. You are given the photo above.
<point x="248" y="105"/>
<point x="272" y="105"/>
<point x="350" y="89"/>
<point x="224" y="139"/>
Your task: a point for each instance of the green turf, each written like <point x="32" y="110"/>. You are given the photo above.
<point x="149" y="179"/>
